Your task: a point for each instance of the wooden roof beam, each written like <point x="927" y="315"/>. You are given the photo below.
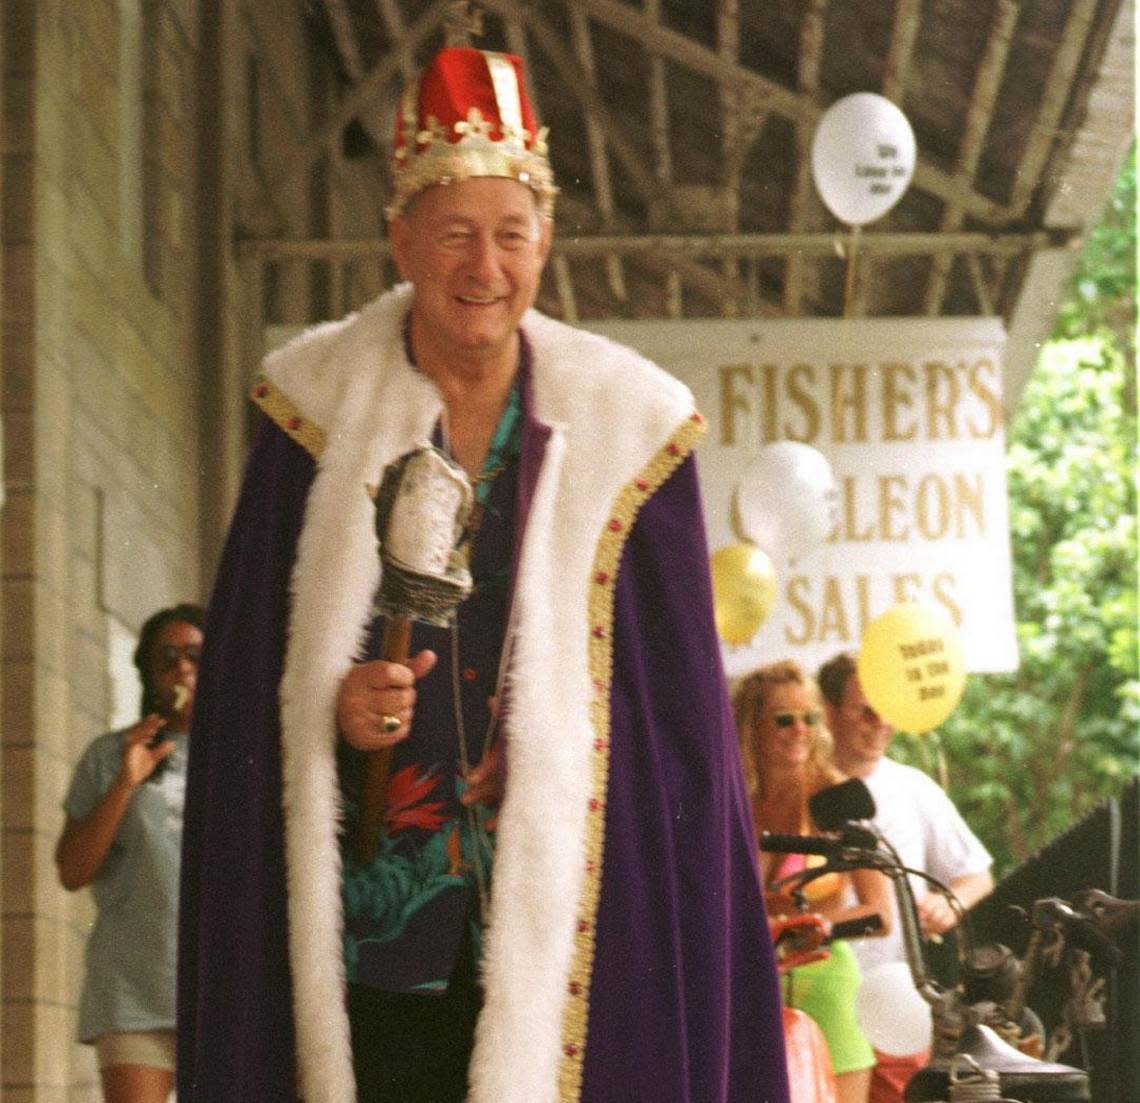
<point x="904" y="29"/>
<point x="728" y="45"/>
<point x="357" y="102"/>
<point x="900" y="52"/>
<point x="394" y="27"/>
<point x="596" y="144"/>
<point x="684" y="51"/>
<point x="909" y="244"/>
<point x="803" y="190"/>
<point x="1058" y="86"/>
<point x="659" y="109"/>
<point x="590" y="102"/>
<point x="983" y="98"/>
<point x="345" y="35"/>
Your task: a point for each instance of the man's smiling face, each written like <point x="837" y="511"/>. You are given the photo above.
<point x="474" y="251"/>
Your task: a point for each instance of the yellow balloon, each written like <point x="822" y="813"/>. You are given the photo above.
<point x="911" y="666"/>
<point x="744" y="590"/>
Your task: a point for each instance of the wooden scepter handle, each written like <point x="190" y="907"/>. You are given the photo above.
<point x="373" y="795"/>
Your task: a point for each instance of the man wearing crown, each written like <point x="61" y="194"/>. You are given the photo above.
<point x="563" y="902"/>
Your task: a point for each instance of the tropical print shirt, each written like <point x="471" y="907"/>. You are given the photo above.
<point x="406" y="911"/>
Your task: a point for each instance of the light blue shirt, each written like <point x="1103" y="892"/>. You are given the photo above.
<point x="131" y="951"/>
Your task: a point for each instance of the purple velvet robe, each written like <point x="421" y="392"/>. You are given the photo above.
<point x="683" y="1001"/>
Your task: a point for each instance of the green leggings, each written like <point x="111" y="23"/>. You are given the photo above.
<point x="826" y="991"/>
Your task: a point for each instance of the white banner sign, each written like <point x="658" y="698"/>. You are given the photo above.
<point x="908" y="412"/>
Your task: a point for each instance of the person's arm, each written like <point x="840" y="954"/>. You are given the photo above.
<point x="873" y="891"/>
<point x="83" y="847"/>
<point x="936" y="916"/>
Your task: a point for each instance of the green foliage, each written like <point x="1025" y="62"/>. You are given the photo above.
<point x="1029" y="753"/>
<point x="1102" y="296"/>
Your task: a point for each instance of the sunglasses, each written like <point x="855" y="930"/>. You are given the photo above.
<point x="166" y="658"/>
<point x="787" y="719"/>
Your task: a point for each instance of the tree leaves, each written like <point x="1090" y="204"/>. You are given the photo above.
<point x="1030" y="752"/>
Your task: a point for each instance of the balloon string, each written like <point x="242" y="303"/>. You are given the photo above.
<point x="852" y="268"/>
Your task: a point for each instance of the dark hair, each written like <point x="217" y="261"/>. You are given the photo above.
<point x="834" y="676"/>
<point x="155" y="623"/>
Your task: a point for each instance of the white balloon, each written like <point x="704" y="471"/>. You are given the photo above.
<point x="786" y="499"/>
<point x="862" y="157"/>
<point x="895" y="1018"/>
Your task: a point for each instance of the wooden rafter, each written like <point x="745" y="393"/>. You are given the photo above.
<point x="1062" y="74"/>
<point x="807" y="81"/>
<point x="728" y="45"/>
<point x="358" y="101"/>
<point x="982" y="101"/>
<point x="904" y="29"/>
<point x="715" y="267"/>
<point x="596" y="144"/>
<point x="648" y="246"/>
<point x="659" y="40"/>
<point x="618" y="142"/>
<point x="345" y="35"/>
<point x="393" y="20"/>
<point x="659" y="108"/>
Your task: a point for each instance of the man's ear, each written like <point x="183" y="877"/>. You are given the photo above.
<point x="546" y="236"/>
<point x="830" y="714"/>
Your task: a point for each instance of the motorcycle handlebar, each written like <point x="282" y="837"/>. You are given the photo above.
<point x="851" y="838"/>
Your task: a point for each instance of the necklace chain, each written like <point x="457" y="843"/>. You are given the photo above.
<point x="480" y="837"/>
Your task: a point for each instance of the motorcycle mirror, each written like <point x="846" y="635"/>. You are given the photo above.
<point x="837" y="805"/>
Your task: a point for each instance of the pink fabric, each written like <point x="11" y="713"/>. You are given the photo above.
<point x="810" y="1079"/>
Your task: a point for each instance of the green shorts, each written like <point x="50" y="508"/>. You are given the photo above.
<point x="826" y="991"/>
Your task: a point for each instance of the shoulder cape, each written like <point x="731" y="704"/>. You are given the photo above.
<point x="627" y="953"/>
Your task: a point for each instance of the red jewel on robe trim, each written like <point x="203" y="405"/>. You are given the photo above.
<point x="615" y="525"/>
<point x="673" y="450"/>
<point x="642" y="484"/>
<point x="583" y="926"/>
<point x="599" y="632"/>
<point x="295" y="422"/>
<point x="601" y="578"/>
<point x="575" y="988"/>
<point x="571" y="1050"/>
<point x="261" y="391"/>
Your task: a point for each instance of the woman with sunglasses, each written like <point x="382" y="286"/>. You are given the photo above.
<point x="123" y="837"/>
<point x="786" y="751"/>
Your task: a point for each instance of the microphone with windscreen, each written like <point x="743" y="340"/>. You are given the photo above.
<point x="837" y="805"/>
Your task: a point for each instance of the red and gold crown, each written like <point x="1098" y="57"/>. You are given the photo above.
<point x="469" y="115"/>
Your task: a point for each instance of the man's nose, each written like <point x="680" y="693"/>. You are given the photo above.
<point x="484" y="256"/>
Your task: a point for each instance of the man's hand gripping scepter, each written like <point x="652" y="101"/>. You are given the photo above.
<point x="422" y="509"/>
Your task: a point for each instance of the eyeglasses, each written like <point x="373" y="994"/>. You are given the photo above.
<point x="787" y="719"/>
<point x="167" y="657"/>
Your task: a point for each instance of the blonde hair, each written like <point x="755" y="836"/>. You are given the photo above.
<point x="750" y="698"/>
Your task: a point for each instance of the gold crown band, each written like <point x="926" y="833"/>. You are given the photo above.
<point x="435" y="160"/>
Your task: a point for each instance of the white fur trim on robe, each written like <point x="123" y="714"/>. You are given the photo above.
<point x="610" y="412"/>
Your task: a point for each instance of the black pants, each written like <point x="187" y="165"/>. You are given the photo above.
<point x="409" y="1048"/>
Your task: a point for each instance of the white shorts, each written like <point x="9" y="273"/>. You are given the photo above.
<point x="153" y="1048"/>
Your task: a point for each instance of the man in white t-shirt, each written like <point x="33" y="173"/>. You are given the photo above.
<point x="917" y="817"/>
